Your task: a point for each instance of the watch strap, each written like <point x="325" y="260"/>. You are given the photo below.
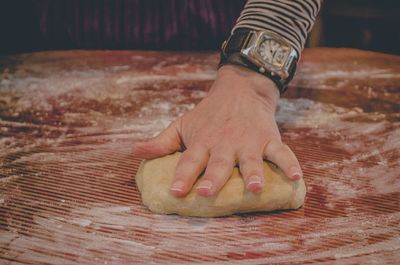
<point x="237" y="59"/>
<point x="236" y="41"/>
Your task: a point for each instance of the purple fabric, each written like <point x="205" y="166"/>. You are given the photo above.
<point x="137" y="24"/>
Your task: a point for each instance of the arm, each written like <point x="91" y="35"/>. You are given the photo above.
<point x="235" y="122"/>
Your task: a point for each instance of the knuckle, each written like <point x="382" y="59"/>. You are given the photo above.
<point x="285" y="146"/>
<point x="169" y="149"/>
<point x="190" y="159"/>
<point x="275" y="143"/>
<point x="220" y="162"/>
<point x="250" y="160"/>
<point x="276" y="146"/>
<point x="181" y="174"/>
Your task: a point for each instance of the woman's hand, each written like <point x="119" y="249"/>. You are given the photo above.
<point x="234" y="123"/>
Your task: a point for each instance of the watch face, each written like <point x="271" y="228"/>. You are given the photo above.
<point x="273" y="52"/>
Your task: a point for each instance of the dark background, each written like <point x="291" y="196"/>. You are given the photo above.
<point x="33" y="25"/>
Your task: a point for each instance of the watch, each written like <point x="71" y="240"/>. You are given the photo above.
<point x="262" y="51"/>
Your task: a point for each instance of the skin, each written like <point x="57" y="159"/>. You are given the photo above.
<point x="234" y="124"/>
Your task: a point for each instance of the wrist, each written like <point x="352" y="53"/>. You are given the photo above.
<point x="261" y="85"/>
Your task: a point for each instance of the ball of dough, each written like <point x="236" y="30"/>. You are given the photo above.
<point x="154" y="178"/>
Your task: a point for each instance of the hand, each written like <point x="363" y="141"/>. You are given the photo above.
<point x="234" y="123"/>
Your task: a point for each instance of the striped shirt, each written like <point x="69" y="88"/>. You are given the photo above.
<point x="291" y="19"/>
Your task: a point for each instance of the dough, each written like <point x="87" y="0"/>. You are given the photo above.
<point x="154" y="178"/>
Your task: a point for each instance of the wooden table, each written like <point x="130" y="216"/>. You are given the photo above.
<point x="67" y="190"/>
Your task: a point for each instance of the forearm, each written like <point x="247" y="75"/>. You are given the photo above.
<point x="291" y="19"/>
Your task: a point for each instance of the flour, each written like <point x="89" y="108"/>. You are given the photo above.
<point x="69" y="196"/>
<point x="327" y="118"/>
<point x="373" y="73"/>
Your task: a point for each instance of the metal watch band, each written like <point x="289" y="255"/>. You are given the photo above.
<point x="230" y="54"/>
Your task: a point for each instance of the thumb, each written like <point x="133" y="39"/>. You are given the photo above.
<point x="167" y="142"/>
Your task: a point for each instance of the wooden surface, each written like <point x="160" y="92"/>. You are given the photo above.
<point x="67" y="191"/>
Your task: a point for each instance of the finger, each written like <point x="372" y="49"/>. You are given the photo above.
<point x="252" y="169"/>
<point x="190" y="165"/>
<point x="167" y="142"/>
<point x="282" y="156"/>
<point x="219" y="169"/>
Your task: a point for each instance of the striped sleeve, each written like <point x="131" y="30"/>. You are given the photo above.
<point x="291" y="19"/>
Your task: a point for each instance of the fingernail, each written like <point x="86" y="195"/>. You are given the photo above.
<point x="177" y="186"/>
<point x="255" y="184"/>
<point x="204" y="189"/>
<point x="295" y="174"/>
